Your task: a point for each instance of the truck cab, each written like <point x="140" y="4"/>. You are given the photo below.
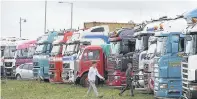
<point x="24" y="52"/>
<point x="122" y="45"/>
<point x="149" y="64"/>
<point x="167" y="65"/>
<point x="9" y="56"/>
<point x="189" y="68"/>
<point x="92" y="36"/>
<point x="84" y="60"/>
<point x="55" y="60"/>
<point x="143" y="42"/>
<point x="41" y="57"/>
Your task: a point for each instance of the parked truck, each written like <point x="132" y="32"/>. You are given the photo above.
<point x="101" y="54"/>
<point x="167" y="67"/>
<point x="24" y="52"/>
<point x="9" y="56"/>
<point x="55" y="60"/>
<point x="87" y="37"/>
<point x="141" y="48"/>
<point x="122" y="45"/>
<point x="144" y="54"/>
<point x="189" y="68"/>
<point x="41" y="57"/>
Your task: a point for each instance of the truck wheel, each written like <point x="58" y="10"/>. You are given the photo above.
<point x="46" y="80"/>
<point x="18" y="77"/>
<point x="84" y="80"/>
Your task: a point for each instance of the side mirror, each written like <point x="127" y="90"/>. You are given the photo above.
<point x="139" y="38"/>
<point x="13" y="50"/>
<point x="188" y="38"/>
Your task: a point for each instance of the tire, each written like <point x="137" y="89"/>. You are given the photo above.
<point x="84" y="80"/>
<point x="18" y="77"/>
<point x="46" y="80"/>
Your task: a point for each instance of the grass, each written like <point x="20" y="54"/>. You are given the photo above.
<point x="13" y="89"/>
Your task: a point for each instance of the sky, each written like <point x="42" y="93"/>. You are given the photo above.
<point x="58" y="15"/>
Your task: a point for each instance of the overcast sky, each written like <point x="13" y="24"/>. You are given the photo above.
<point x="58" y="15"/>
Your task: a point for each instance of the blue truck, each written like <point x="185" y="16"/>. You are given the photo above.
<point x="41" y="57"/>
<point x="167" y="65"/>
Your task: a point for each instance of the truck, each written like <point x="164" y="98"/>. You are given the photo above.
<point x="167" y="65"/>
<point x="55" y="60"/>
<point x="101" y="54"/>
<point x="148" y="75"/>
<point x="141" y="48"/>
<point x="189" y="70"/>
<point x="24" y="52"/>
<point x="87" y="37"/>
<point x="41" y="56"/>
<point x="122" y="46"/>
<point x="112" y="25"/>
<point x="9" y="56"/>
<point x="144" y="54"/>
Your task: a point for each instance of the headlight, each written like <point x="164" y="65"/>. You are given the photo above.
<point x="117" y="77"/>
<point x="163" y="86"/>
<point x="193" y="87"/>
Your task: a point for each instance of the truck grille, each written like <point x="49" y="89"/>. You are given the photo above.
<point x="185" y="75"/>
<point x="8" y="64"/>
<point x="35" y="63"/>
<point x="66" y="65"/>
<point x="52" y="66"/>
<point x="136" y="62"/>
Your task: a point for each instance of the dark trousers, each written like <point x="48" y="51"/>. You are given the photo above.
<point x="129" y="85"/>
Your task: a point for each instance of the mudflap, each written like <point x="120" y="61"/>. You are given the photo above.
<point x="77" y="81"/>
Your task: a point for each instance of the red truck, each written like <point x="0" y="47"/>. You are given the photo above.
<point x="110" y="69"/>
<point x="55" y="60"/>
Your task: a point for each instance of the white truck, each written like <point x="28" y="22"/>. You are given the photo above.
<point x="9" y="54"/>
<point x="189" y="67"/>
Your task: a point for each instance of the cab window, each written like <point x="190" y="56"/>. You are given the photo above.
<point x="93" y="55"/>
<point x="181" y="45"/>
<point x="101" y="29"/>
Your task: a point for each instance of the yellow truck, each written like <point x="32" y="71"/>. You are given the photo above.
<point x="112" y="25"/>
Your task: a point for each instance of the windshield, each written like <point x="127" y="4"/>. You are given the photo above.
<point x="40" y="48"/>
<point x="139" y="44"/>
<point x="115" y="47"/>
<point x="161" y="45"/>
<point x="70" y="48"/>
<point x="9" y="51"/>
<point x="55" y="49"/>
<point x="75" y="36"/>
<point x="21" y="53"/>
<point x="60" y="37"/>
<point x="31" y="51"/>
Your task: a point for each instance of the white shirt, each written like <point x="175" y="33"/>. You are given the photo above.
<point x="93" y="72"/>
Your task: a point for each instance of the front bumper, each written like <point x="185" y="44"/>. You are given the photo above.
<point x="10" y="73"/>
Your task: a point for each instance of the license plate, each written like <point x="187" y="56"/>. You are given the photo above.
<point x="50" y="73"/>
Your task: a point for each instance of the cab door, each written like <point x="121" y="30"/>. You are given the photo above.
<point x="90" y="56"/>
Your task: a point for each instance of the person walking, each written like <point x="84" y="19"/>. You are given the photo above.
<point x="93" y="72"/>
<point x="129" y="80"/>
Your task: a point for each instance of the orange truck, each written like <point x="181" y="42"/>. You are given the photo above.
<point x="55" y="60"/>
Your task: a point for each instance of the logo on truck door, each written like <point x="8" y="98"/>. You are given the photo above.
<point x="117" y="60"/>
